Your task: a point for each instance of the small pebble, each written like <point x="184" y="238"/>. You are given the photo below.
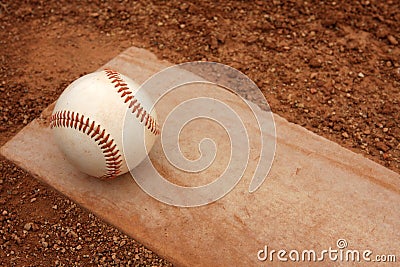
<point x="28" y="226"/>
<point x="361" y="75"/>
<point x="382" y="146"/>
<point x="392" y="40"/>
<point x="315" y="63"/>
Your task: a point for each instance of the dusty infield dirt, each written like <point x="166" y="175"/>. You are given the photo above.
<point x="330" y="66"/>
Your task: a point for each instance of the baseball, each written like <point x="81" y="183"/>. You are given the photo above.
<point x="88" y="122"/>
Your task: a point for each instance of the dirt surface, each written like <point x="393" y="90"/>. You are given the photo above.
<point x="330" y="66"/>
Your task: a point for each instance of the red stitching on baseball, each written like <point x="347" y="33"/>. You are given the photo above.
<point x="64" y="118"/>
<point x="126" y="93"/>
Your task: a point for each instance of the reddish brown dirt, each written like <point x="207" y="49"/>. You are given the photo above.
<point x="330" y="66"/>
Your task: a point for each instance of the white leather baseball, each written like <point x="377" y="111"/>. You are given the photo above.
<point x="88" y="119"/>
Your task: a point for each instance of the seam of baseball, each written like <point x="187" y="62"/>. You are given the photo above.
<point x="133" y="103"/>
<point x="67" y="119"/>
